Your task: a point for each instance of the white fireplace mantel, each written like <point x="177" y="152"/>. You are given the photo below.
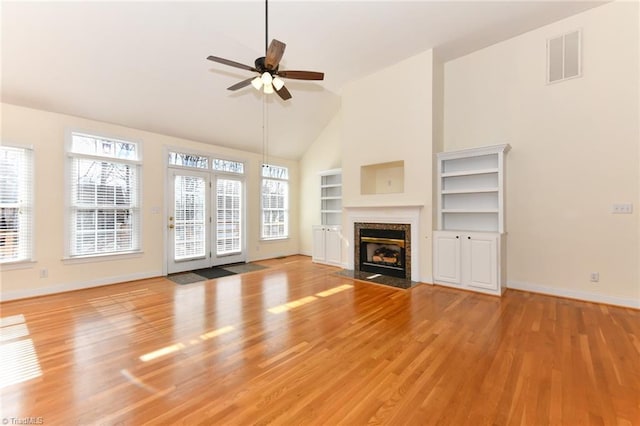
<point x="388" y="214"/>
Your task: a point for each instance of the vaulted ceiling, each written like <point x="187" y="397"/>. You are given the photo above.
<point x="143" y="64"/>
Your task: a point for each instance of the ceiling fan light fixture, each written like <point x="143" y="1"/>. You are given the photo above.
<point x="278" y="83"/>
<point x="268" y="88"/>
<point x="266" y="78"/>
<point x="257" y="83"/>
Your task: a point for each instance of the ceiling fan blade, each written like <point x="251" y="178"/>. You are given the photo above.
<point x="231" y="63"/>
<point x="284" y="93"/>
<point x="241" y="84"/>
<point x="302" y="75"/>
<point x="274" y="54"/>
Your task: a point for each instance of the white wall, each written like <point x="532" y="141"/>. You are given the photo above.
<point x="324" y="154"/>
<point x="575" y="152"/>
<point x="46" y="133"/>
<point x="384" y="120"/>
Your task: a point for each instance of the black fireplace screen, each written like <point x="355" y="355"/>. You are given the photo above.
<point x="383" y="251"/>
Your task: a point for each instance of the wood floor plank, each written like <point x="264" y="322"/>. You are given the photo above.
<point x="297" y="344"/>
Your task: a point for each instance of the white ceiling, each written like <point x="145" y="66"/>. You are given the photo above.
<point x="142" y="64"/>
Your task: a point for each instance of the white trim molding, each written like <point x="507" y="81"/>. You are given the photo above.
<point x="575" y="294"/>
<point x="62" y="288"/>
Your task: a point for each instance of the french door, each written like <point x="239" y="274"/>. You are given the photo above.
<point x="206" y="220"/>
<point x="228" y="229"/>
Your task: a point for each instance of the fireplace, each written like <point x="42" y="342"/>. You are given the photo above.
<point x="383" y="248"/>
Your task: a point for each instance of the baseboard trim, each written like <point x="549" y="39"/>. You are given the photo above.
<point x="574" y="294"/>
<point x="427" y="280"/>
<point x="271" y="256"/>
<point x="63" y="288"/>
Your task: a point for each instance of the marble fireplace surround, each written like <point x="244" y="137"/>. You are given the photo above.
<point x="389" y="214"/>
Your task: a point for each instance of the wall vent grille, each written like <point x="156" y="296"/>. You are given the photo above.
<point x="564" y="57"/>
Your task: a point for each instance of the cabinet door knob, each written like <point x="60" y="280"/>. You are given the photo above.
<point x="457" y="236"/>
<point x="468" y="238"/>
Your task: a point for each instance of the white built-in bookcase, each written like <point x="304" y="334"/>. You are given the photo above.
<point x="470" y="188"/>
<point x="331" y="197"/>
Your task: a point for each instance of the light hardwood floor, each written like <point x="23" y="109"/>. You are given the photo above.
<point x="296" y="344"/>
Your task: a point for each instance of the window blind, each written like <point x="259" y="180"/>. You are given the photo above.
<point x="275" y="202"/>
<point x="228" y="214"/>
<point x="105" y="211"/>
<point x="16" y="204"/>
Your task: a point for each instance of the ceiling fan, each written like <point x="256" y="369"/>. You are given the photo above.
<point x="267" y="66"/>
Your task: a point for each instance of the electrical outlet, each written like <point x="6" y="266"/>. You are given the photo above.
<point x="595" y="277"/>
<point x="622" y="208"/>
<point x="44" y="273"/>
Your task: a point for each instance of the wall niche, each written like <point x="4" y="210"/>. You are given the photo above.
<point x="382" y="178"/>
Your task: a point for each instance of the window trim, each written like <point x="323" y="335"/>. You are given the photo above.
<point x="69" y="155"/>
<point x="210" y="157"/>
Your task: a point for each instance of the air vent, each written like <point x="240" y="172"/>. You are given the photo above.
<point x="564" y="57"/>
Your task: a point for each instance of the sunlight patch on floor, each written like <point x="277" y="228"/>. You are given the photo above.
<point x="334" y="290"/>
<point x="18" y="358"/>
<point x="179" y="346"/>
<point x="303" y="301"/>
<point x="214" y="333"/>
<point x="161" y="352"/>
<point x="290" y="305"/>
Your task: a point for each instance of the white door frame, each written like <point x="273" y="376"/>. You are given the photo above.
<point x="241" y="256"/>
<point x="198" y="262"/>
<point x="212" y="258"/>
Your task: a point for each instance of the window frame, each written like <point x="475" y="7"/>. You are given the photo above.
<point x="29" y="258"/>
<point x="287" y="203"/>
<point x="137" y="235"/>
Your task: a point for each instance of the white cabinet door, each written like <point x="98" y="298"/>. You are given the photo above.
<point x="468" y="260"/>
<point x="333" y="246"/>
<point x="481" y="254"/>
<point x="446" y="252"/>
<point x="318" y="254"/>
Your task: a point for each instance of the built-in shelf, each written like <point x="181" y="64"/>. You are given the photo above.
<point x="331" y="197"/>
<point x="470" y="243"/>
<point x="327" y="237"/>
<point x="469" y="190"/>
<point x="469" y="172"/>
<point x="471" y="210"/>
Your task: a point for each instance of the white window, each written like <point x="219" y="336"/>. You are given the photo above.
<point x="228" y="166"/>
<point x="104" y="196"/>
<point x="188" y="160"/>
<point x="16" y="210"/>
<point x="275" y="202"/>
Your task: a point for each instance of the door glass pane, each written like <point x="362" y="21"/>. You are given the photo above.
<point x="228" y="215"/>
<point x="189" y="217"/>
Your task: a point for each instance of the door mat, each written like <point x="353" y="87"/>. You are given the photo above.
<point x="241" y="268"/>
<point x="211" y="273"/>
<point x="186" y="278"/>
<point x="200" y="275"/>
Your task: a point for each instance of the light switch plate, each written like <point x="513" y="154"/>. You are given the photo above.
<point x="623" y="208"/>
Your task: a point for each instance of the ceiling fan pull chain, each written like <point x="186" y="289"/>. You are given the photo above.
<point x="266" y="26"/>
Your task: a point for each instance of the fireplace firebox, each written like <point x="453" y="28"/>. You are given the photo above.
<point x="383" y="249"/>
